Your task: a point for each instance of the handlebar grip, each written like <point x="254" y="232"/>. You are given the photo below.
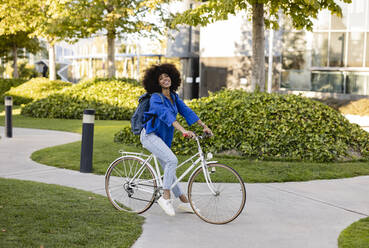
<point x="206" y="135"/>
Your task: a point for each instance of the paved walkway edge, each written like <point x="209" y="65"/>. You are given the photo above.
<point x="278" y="215"/>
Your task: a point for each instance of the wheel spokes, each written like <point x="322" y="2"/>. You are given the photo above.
<point x="127" y="193"/>
<point x="226" y="204"/>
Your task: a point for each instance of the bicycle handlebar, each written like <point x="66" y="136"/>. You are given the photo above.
<point x="204" y="136"/>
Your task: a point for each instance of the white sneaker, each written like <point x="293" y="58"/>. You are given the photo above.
<point x="187" y="208"/>
<point x="167" y="206"/>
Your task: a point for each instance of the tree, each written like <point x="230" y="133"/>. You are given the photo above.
<point x="262" y="13"/>
<point x="10" y="44"/>
<point x="53" y="20"/>
<point x="117" y="18"/>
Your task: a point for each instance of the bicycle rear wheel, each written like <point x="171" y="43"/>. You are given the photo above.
<point x="125" y="194"/>
<point x="230" y="194"/>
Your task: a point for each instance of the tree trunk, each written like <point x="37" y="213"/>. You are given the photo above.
<point x="258" y="46"/>
<point x="52" y="63"/>
<point x="111" y="53"/>
<point x="15" y="62"/>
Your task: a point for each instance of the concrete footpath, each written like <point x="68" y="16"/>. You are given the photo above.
<point x="304" y="214"/>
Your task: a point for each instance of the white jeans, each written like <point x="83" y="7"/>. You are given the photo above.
<point x="166" y="158"/>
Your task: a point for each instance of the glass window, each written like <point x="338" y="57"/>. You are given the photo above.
<point x="356" y="49"/>
<point x="357" y="83"/>
<point x="320" y="50"/>
<point x="337" y="49"/>
<point x="293" y="52"/>
<point x="324" y="81"/>
<point x="322" y="21"/>
<point x="357" y="11"/>
<point x="295" y="79"/>
<point x="367" y="16"/>
<point x="367" y="50"/>
<point x="340" y="23"/>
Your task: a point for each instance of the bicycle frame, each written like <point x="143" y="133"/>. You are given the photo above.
<point x="158" y="176"/>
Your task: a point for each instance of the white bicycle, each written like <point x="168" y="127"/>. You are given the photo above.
<point x="216" y="192"/>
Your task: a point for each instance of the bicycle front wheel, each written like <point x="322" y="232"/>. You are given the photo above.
<point x="130" y="185"/>
<point x="227" y="200"/>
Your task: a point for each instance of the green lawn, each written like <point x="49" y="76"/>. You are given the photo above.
<point x="105" y="151"/>
<point x="356" y="235"/>
<point x="43" y="215"/>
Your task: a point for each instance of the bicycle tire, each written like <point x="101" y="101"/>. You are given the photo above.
<point x="230" y="200"/>
<point x="130" y="197"/>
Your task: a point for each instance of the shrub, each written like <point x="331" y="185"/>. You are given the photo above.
<point x="28" y="71"/>
<point x="114" y="99"/>
<point x="7" y="84"/>
<point x="25" y="70"/>
<point x="271" y="126"/>
<point x="36" y="89"/>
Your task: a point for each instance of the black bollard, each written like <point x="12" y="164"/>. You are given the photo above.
<point x="87" y="140"/>
<point x="8" y="117"/>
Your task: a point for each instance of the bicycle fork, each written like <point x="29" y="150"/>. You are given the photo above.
<point x="210" y="184"/>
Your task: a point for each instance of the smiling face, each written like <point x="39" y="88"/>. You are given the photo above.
<point x="164" y="81"/>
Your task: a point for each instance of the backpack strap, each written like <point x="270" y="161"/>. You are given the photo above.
<point x="142" y="97"/>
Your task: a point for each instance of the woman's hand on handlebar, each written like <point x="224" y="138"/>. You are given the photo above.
<point x="189" y="134"/>
<point x="208" y="131"/>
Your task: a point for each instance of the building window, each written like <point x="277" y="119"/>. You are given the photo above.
<point x="320" y="49"/>
<point x="356" y="15"/>
<point x="322" y="22"/>
<point x="345" y="37"/>
<point x="324" y="81"/>
<point x="339" y="53"/>
<point x="293" y="52"/>
<point x="356" y="49"/>
<point x="357" y="83"/>
<point x="367" y="50"/>
<point x="338" y="23"/>
<point x="337" y="49"/>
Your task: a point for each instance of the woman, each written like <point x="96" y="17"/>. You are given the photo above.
<point x="157" y="133"/>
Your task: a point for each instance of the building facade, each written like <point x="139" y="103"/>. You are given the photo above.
<point x="332" y="60"/>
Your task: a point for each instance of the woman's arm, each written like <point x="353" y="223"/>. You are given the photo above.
<point x="190" y="117"/>
<point x="191" y="134"/>
<point x="186" y="133"/>
<point x="206" y="128"/>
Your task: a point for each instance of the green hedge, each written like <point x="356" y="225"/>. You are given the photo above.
<point x="35" y="89"/>
<point x="7" y="84"/>
<point x="271" y="126"/>
<point x="113" y="99"/>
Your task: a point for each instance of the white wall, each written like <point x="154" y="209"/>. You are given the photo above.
<point x="224" y="38"/>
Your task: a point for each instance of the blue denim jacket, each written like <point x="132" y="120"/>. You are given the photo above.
<point x="161" y="116"/>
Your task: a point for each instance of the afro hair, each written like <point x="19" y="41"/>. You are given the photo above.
<point x="151" y="77"/>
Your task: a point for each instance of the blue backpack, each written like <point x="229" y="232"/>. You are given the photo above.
<point x="137" y="119"/>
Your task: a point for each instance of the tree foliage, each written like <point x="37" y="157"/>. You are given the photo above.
<point x="117" y="18"/>
<point x="120" y="16"/>
<point x="52" y="20"/>
<point x="19" y="40"/>
<point x="49" y="19"/>
<point x="11" y="44"/>
<point x="57" y="20"/>
<point x="301" y="12"/>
